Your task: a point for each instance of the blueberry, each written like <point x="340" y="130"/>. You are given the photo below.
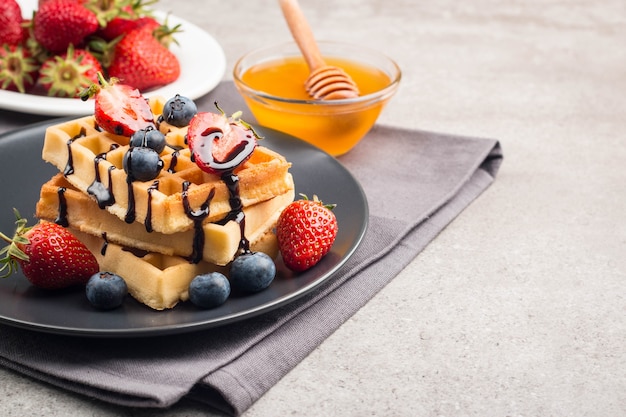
<point x="252" y="271"/>
<point x="209" y="290"/>
<point x="106" y="290"/>
<point x="148" y="138"/>
<point x="179" y="110"/>
<point x="142" y="164"/>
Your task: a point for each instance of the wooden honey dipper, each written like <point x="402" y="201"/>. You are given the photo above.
<point x="325" y="82"/>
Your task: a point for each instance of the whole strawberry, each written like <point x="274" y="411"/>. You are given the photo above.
<point x="11" y="31"/>
<point x="18" y="69"/>
<point x="49" y="255"/>
<point x="118" y="26"/>
<point x="59" y="23"/>
<point x="125" y="22"/>
<point x="119" y="108"/>
<point x="306" y="230"/>
<point x="142" y="61"/>
<point x="69" y="74"/>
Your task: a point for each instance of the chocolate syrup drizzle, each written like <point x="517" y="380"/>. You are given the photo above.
<point x="130" y="210"/>
<point x="105" y="197"/>
<point x="69" y="167"/>
<point x="236" y="208"/>
<point x="62" y="215"/>
<point x="197" y="216"/>
<point x="148" y="221"/>
<point x="173" y="161"/>
<point x="105" y="244"/>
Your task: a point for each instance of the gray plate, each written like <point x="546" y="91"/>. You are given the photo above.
<point x="22" y="172"/>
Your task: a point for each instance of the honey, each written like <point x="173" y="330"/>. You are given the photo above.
<point x="333" y="127"/>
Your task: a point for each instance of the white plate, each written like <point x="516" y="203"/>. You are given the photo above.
<point x="202" y="63"/>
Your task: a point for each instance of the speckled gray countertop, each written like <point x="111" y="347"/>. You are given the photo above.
<point x="518" y="308"/>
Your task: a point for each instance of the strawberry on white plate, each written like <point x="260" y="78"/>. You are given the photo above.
<point x="202" y="64"/>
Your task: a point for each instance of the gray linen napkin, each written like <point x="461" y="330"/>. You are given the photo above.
<point x="416" y="183"/>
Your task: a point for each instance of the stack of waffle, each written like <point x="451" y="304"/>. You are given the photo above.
<point x="149" y="232"/>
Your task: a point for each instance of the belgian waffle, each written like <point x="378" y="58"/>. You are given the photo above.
<point x="156" y="280"/>
<point x="160" y="234"/>
<point x="60" y="201"/>
<point x="91" y="160"/>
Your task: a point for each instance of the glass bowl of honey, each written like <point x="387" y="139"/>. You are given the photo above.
<point x="271" y="81"/>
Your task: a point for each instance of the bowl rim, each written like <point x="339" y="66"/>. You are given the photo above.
<point x="378" y="95"/>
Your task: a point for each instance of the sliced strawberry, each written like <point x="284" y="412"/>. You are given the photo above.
<point x="218" y="143"/>
<point x="119" y="108"/>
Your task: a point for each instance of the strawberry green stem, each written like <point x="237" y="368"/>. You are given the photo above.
<point x="10" y="254"/>
<point x="236" y="118"/>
